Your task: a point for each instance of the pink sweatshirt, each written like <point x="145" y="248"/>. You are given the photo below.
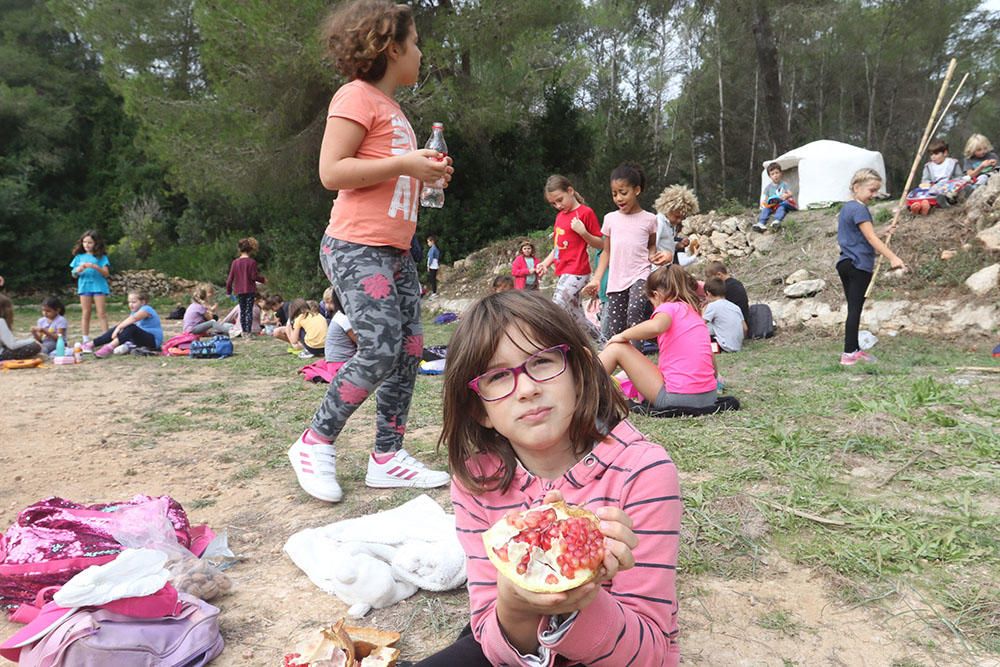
<point x="633" y="619"/>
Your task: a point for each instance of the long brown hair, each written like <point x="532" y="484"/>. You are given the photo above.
<point x="599" y="403"/>
<point x="676" y="284"/>
<point x="99" y="250"/>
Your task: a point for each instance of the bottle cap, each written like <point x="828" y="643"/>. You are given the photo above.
<point x="436" y="126"/>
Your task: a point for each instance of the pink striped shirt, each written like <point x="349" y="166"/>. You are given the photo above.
<point x="633" y="619"/>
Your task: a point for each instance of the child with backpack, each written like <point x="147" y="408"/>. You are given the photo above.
<point x="724" y="319"/>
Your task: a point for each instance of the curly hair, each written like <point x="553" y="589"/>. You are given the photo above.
<point x="677" y="198"/>
<point x="248" y="245"/>
<point x="357" y="35"/>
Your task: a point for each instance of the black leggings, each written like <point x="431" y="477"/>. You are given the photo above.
<point x="466" y="652"/>
<point x="855" y="283"/>
<point x="246" y="312"/>
<point x="130" y="334"/>
<point x="432" y="278"/>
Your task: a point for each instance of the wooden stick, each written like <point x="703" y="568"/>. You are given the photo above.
<point x="913" y="459"/>
<point x="800" y="513"/>
<point x="921" y="147"/>
<point x="947" y="107"/>
<point x="979" y="369"/>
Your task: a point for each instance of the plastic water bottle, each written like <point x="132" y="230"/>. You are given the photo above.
<point x="77" y="352"/>
<point x="60" y="347"/>
<point x="432" y="194"/>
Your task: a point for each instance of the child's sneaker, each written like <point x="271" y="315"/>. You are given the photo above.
<point x="87" y="346"/>
<point x="866" y="357"/>
<point x="104" y="351"/>
<point x="775" y="225"/>
<point x="760" y="227"/>
<point x="850" y="358"/>
<point x="306" y="354"/>
<point x="315" y="466"/>
<point x="402" y="470"/>
<point x="124" y="348"/>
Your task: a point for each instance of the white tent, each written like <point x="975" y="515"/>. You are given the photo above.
<point x="820" y="172"/>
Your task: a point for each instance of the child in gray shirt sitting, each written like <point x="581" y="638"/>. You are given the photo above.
<point x="724" y="318"/>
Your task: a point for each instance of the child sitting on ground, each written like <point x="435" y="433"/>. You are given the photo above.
<point x="777" y="199"/>
<point x="141" y="329"/>
<point x="274" y="316"/>
<point x="980" y="159"/>
<point x="674" y="204"/>
<point x="940" y="172"/>
<point x="735" y="292"/>
<point x="725" y="321"/>
<point x="308" y="328"/>
<point x="10" y="347"/>
<point x="50" y="325"/>
<point x="199" y="317"/>
<point x="530" y="418"/>
<point x="685" y="375"/>
<point x="329" y="305"/>
<point x="503" y="284"/>
<point x="341" y="341"/>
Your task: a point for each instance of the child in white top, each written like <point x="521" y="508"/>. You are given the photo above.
<point x="10" y="347"/>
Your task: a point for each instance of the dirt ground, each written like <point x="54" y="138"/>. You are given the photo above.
<point x="73" y="432"/>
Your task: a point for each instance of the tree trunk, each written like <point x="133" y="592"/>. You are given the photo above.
<point x="722" y="107"/>
<point x="767" y="60"/>
<point x="753" y="134"/>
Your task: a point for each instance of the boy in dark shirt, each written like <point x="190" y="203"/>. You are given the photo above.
<point x="735" y="291"/>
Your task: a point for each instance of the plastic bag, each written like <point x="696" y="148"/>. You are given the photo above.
<point x="146" y="527"/>
<point x="866" y="340"/>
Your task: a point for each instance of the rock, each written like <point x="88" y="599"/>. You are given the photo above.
<point x="983" y="280"/>
<point x="796" y="276"/>
<point x="990" y="237"/>
<point x="729" y="225"/>
<point x="459" y="264"/>
<point x="948" y="254"/>
<point x="744" y="224"/>
<point x="742" y="251"/>
<point x="738" y="240"/>
<point x="719" y="239"/>
<point x="804" y="288"/>
<point x="763" y="243"/>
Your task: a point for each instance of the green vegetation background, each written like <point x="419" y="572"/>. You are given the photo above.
<point x="176" y="127"/>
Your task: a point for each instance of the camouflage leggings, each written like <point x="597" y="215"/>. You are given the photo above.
<point x="380" y="292"/>
<point x="567" y="297"/>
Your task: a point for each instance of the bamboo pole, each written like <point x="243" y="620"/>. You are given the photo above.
<point x="921" y="147"/>
<point x="947" y="107"/>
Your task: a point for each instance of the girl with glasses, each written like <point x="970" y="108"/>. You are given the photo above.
<point x="530" y="416"/>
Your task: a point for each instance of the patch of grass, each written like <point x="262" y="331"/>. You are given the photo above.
<point x="199" y="503"/>
<point x="245" y="473"/>
<point x="780" y="621"/>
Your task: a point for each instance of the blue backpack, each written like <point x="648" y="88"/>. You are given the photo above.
<point x="215" y="348"/>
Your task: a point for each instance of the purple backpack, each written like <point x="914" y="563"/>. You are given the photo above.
<point x="98" y="637"/>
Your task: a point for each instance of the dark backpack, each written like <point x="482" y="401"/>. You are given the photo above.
<point x="215" y="348"/>
<point x="761" y="324"/>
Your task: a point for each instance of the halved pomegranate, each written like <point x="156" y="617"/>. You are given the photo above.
<point x="547" y="549"/>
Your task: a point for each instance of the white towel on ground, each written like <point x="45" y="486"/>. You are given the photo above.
<point x="377" y="560"/>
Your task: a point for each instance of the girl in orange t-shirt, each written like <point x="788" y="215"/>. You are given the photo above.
<point x="370" y="157"/>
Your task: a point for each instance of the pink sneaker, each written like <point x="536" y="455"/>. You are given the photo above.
<point x="104" y="351"/>
<point x="866" y="357"/>
<point x="87" y="346"/>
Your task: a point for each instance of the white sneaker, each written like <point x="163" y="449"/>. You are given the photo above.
<point x="124" y="348"/>
<point x="315" y="467"/>
<point x="402" y="470"/>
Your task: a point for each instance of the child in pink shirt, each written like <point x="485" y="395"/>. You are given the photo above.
<point x="629" y="247"/>
<point x="529" y="418"/>
<point x="685" y="376"/>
